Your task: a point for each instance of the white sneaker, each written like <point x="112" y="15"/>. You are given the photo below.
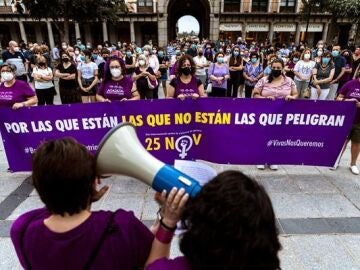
<point x="274" y="167"/>
<point x="354" y="169"/>
<point x="260" y="167"/>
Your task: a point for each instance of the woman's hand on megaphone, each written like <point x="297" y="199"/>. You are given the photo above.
<point x="174" y="207"/>
<point x="97" y="194"/>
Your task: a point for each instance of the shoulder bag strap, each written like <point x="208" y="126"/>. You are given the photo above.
<point x="105" y="233"/>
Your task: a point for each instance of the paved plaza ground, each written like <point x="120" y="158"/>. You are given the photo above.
<point x="318" y="211"/>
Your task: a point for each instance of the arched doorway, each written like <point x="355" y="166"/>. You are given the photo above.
<point x="188" y="25"/>
<point x="200" y="9"/>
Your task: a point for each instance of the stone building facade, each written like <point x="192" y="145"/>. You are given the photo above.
<point x="273" y="20"/>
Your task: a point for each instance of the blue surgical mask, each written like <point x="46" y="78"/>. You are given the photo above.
<point x="335" y="53"/>
<point x="236" y="54"/>
<point x="161" y="53"/>
<point x="296" y="59"/>
<point x="325" y="61"/>
<point x="1" y="62"/>
<point x="220" y="59"/>
<point x="94" y="56"/>
<point x="129" y="54"/>
<point x="254" y="60"/>
<point x="82" y="58"/>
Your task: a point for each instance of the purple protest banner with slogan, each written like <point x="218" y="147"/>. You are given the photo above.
<point x="234" y="131"/>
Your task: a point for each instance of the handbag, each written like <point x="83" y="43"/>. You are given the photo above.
<point x="152" y="84"/>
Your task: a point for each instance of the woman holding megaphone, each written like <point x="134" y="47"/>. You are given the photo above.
<point x="66" y="234"/>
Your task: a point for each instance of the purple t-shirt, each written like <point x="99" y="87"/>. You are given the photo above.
<point x="126" y="247"/>
<point x="186" y="89"/>
<point x="116" y="90"/>
<point x="179" y="263"/>
<point x="217" y="71"/>
<point x="349" y="90"/>
<point x="20" y="91"/>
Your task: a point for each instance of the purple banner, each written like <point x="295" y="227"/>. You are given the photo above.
<point x="221" y="130"/>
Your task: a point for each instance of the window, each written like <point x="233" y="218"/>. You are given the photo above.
<point x="287" y="6"/>
<point x="232" y="5"/>
<point x="145" y="6"/>
<point x="259" y="6"/>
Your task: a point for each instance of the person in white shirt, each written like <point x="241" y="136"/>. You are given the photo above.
<point x="87" y="78"/>
<point x="43" y="77"/>
<point x="303" y="72"/>
<point x="201" y="63"/>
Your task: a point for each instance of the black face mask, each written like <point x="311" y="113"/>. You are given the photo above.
<point x="41" y="64"/>
<point x="200" y="53"/>
<point x="186" y="70"/>
<point x="65" y="60"/>
<point x="276" y="73"/>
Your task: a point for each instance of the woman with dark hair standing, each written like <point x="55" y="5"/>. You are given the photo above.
<point x="275" y="86"/>
<point x="219" y="74"/>
<point x="116" y="85"/>
<point x="87" y="77"/>
<point x="229" y="225"/>
<point x="66" y="72"/>
<point x="235" y="68"/>
<point x="253" y="72"/>
<point x="185" y="84"/>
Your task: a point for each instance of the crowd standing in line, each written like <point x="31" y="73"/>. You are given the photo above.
<point x="229" y="68"/>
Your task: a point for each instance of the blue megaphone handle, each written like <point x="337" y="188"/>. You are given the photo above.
<point x="169" y="177"/>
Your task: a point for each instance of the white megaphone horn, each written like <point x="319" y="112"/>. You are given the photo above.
<point x="120" y="152"/>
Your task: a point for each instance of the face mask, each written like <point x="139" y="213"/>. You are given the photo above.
<point x="94" y="56"/>
<point x="228" y="51"/>
<point x="64" y="47"/>
<point x="146" y="53"/>
<point x="236" y="54"/>
<point x="115" y="72"/>
<point x="254" y="60"/>
<point x="296" y="59"/>
<point x="77" y="52"/>
<point x="154" y="51"/>
<point x="7" y="76"/>
<point x="82" y="58"/>
<point x="307" y="56"/>
<point x="221" y="50"/>
<point x="65" y="60"/>
<point x="276" y="72"/>
<point x="325" y="61"/>
<point x="141" y="62"/>
<point x="335" y="53"/>
<point x="17" y="49"/>
<point x="88" y="46"/>
<point x="186" y="70"/>
<point x="246" y="55"/>
<point x="128" y="54"/>
<point x="1" y="62"/>
<point x="161" y="54"/>
<point x="220" y="60"/>
<point x="41" y="64"/>
<point x="319" y="53"/>
<point x="200" y="53"/>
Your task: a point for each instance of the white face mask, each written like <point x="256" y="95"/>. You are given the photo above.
<point x="141" y="62"/>
<point x="115" y="72"/>
<point x="77" y="52"/>
<point x="146" y="53"/>
<point x="7" y="76"/>
<point x="64" y="47"/>
<point x="319" y="53"/>
<point x="307" y="56"/>
<point x="16" y="49"/>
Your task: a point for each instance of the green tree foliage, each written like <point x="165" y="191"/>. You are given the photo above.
<point x="64" y="11"/>
<point x="346" y="8"/>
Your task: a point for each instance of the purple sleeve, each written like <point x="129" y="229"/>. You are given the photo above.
<point x="19" y="227"/>
<point x="345" y="88"/>
<point x="179" y="263"/>
<point x="26" y="90"/>
<point x="211" y="69"/>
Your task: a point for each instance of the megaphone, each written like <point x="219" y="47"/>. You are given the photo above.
<point x="121" y="152"/>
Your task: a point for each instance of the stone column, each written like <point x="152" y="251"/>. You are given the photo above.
<point x="325" y="31"/>
<point x="162" y="32"/>
<point x="132" y="30"/>
<point x="243" y="32"/>
<point x="50" y="34"/>
<point x="105" y="31"/>
<point x="77" y="30"/>
<point x="214" y="27"/>
<point x="297" y="35"/>
<point x="271" y="32"/>
<point x="38" y="33"/>
<point x="22" y="31"/>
